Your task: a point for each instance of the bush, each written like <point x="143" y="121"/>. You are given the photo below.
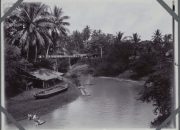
<point x="108" y="69"/>
<point x="157" y="90"/>
<point x="144" y="65"/>
<point x="116" y="60"/>
<point x="75" y="79"/>
<point x="63" y="65"/>
<point x="14" y="83"/>
<point x="44" y="63"/>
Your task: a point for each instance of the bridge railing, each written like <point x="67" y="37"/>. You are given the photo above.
<point x="67" y="56"/>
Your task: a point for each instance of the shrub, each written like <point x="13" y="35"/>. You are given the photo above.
<point x="14" y="83"/>
<point x="144" y="65"/>
<point x="157" y="90"/>
<point x="63" y="65"/>
<point x="44" y="63"/>
<point x="116" y="60"/>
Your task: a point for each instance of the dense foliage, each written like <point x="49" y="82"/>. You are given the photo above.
<point x="33" y="30"/>
<point x="158" y="89"/>
<point x="14" y="83"/>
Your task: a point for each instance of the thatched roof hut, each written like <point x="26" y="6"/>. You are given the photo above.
<point x="46" y="74"/>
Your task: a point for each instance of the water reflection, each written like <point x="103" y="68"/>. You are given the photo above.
<point x="112" y="104"/>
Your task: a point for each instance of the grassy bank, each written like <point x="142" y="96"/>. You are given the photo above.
<point x="25" y="103"/>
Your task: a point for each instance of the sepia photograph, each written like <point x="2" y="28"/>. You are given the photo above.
<point x="89" y="64"/>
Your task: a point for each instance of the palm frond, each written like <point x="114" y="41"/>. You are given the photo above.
<point x="24" y="37"/>
<point x="57" y="12"/>
<point x="41" y="19"/>
<point x="61" y="22"/>
<point x="64" y="18"/>
<point x="41" y="10"/>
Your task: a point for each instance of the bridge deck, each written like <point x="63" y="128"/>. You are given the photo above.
<point x="68" y="56"/>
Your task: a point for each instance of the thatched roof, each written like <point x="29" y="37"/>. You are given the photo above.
<point x="46" y="74"/>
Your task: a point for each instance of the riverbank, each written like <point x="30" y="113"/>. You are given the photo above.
<point x="24" y="103"/>
<point x="19" y="106"/>
<point x="109" y="99"/>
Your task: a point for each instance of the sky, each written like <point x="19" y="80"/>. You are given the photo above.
<point x="112" y="16"/>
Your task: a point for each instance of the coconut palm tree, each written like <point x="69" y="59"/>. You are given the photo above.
<point x="167" y="44"/>
<point x="119" y="36"/>
<point x="77" y="39"/>
<point x="60" y="29"/>
<point x="167" y="38"/>
<point x="157" y="36"/>
<point x="136" y="38"/>
<point x="86" y="33"/>
<point x="157" y="42"/>
<point x="28" y="27"/>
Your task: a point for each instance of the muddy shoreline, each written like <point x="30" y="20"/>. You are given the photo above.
<point x="19" y="106"/>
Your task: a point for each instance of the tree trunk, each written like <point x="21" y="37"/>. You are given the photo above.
<point x="47" y="52"/>
<point x="35" y="54"/>
<point x="27" y="55"/>
<point x="101" y="53"/>
<point x="56" y="64"/>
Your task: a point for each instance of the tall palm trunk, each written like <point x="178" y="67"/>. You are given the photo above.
<point x="27" y="54"/>
<point x="47" y="52"/>
<point x="35" y="54"/>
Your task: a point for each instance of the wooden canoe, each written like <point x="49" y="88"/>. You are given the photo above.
<point x="51" y="91"/>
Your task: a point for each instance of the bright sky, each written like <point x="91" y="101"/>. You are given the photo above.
<point x="111" y="16"/>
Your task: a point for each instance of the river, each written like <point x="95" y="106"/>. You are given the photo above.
<point x="111" y="104"/>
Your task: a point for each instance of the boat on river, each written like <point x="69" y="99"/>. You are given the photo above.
<point x="49" y="81"/>
<point x="51" y="91"/>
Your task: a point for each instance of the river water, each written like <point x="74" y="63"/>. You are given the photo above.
<point x="111" y="104"/>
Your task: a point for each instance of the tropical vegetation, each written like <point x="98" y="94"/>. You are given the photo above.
<point x="34" y="30"/>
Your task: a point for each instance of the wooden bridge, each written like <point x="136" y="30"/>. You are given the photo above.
<point x="86" y="56"/>
<point x="69" y="56"/>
